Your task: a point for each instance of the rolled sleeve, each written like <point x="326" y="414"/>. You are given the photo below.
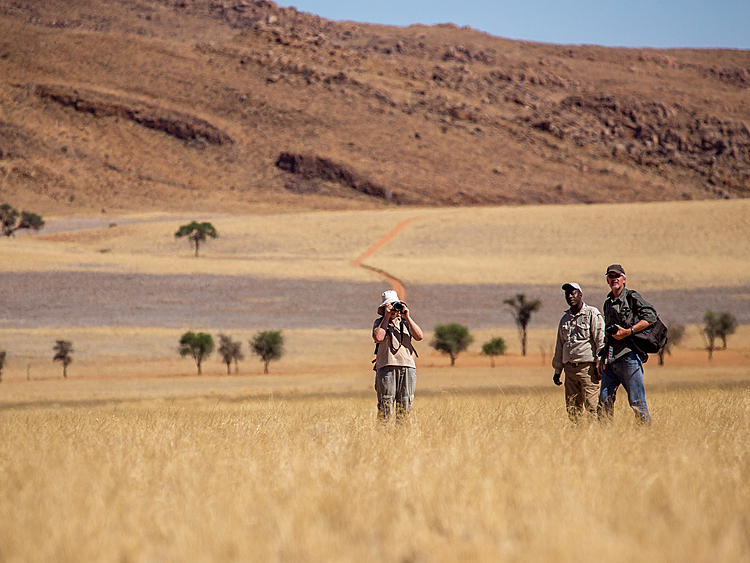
<point x="642" y="309"/>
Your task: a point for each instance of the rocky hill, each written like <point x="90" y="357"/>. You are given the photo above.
<point x="236" y="105"/>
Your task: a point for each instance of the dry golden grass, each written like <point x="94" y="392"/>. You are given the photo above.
<point x="662" y="245"/>
<point x="471" y="477"/>
<point x="125" y="461"/>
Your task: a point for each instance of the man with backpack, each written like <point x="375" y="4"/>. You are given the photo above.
<point x="625" y="314"/>
<point x="395" y="368"/>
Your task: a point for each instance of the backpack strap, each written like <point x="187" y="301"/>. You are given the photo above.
<point x="401" y="337"/>
<point x="633" y="343"/>
<point x="400" y="342"/>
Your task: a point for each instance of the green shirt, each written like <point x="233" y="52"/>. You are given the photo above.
<point x="618" y="311"/>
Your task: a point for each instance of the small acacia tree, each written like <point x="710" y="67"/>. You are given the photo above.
<point x="676" y="333"/>
<point x="451" y="339"/>
<point x="492" y="348"/>
<point x="197" y="233"/>
<point x="710" y="331"/>
<point x="63" y="351"/>
<point x="522" y="310"/>
<point x="10" y="224"/>
<point x="2" y="363"/>
<point x="268" y="345"/>
<point x="230" y="351"/>
<point x="198" y="345"/>
<point x="727" y="326"/>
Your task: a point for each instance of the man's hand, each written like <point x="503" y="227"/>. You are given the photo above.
<point x="621" y="333"/>
<point x="416" y="331"/>
<point x="556" y="379"/>
<point x="596" y="377"/>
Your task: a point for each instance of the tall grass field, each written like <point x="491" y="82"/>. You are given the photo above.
<point x="136" y="458"/>
<point x="470" y="477"/>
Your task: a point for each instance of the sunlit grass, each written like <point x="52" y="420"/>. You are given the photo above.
<point x="457" y="245"/>
<point x="470" y="477"/>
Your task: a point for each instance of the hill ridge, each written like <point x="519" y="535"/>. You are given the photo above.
<point x="439" y="115"/>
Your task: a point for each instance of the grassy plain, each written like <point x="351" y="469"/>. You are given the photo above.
<point x="125" y="461"/>
<point x="663" y="245"/>
<point x="677" y="245"/>
<point x="479" y="477"/>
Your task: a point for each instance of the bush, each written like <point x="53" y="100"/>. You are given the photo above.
<point x="9" y="216"/>
<point x="451" y="339"/>
<point x="269" y="345"/>
<point x="494" y="347"/>
<point x="199" y="346"/>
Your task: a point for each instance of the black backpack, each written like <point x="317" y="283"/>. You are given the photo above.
<point x="650" y="340"/>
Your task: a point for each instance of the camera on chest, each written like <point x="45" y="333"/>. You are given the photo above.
<point x="612" y="329"/>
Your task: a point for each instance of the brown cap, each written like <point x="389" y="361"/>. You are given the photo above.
<point x="616" y="268"/>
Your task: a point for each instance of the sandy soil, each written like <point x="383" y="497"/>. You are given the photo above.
<point x="77" y="299"/>
<point x="110" y="381"/>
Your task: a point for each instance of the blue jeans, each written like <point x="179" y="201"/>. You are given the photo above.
<point x="628" y="372"/>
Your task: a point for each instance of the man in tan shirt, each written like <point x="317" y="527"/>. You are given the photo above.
<point x="395" y="369"/>
<point x="580" y="337"/>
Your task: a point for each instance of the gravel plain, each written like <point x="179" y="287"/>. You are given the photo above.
<point x="79" y="299"/>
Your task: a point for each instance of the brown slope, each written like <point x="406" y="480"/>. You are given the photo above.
<point x="189" y="105"/>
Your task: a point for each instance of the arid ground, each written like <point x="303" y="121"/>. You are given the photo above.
<point x="134" y="457"/>
<point x="337" y="160"/>
<point x="124" y="293"/>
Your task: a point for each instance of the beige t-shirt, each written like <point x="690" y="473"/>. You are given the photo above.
<point x="396" y="348"/>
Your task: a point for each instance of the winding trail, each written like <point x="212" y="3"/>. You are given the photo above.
<point x="396" y="284"/>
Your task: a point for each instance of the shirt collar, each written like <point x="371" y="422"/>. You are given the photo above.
<point x="611" y="295"/>
<point x="583" y="308"/>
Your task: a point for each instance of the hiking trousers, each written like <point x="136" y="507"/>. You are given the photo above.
<point x="395" y="388"/>
<point x="580" y="390"/>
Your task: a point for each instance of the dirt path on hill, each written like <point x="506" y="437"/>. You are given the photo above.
<point x="396" y="284"/>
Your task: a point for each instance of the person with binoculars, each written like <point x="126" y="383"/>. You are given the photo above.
<point x="395" y="366"/>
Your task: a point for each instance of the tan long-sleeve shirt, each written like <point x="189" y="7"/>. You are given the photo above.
<point x="580" y="337"/>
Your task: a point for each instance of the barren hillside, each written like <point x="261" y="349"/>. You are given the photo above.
<point x="242" y="105"/>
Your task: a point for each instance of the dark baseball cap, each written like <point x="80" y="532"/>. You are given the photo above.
<point x="617" y="269"/>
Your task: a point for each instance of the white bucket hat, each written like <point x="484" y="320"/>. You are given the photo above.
<point x="389" y="296"/>
<point x="572" y="285"/>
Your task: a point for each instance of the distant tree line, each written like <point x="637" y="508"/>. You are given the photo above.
<point x="449" y="339"/>
<point x="268" y="345"/>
